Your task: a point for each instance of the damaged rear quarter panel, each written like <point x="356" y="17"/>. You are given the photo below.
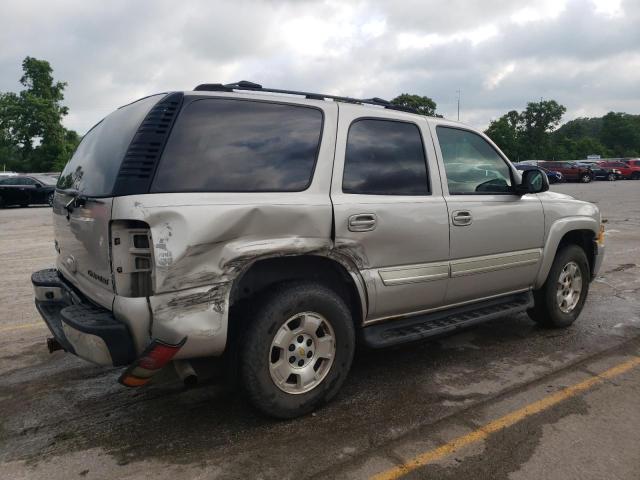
<point x="203" y="241"/>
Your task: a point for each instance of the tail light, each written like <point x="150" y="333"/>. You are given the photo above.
<point x="153" y="359"/>
<point x="131" y="258"/>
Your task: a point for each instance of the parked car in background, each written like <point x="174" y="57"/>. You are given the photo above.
<point x="553" y="176"/>
<point x="626" y="171"/>
<point x="571" y="171"/>
<point x="601" y="172"/>
<point x="633" y="162"/>
<point x="25" y="190"/>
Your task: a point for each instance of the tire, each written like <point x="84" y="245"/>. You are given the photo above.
<point x="1" y="202"/>
<point x="635" y="176"/>
<point x="287" y="315"/>
<point x="611" y="177"/>
<point x="586" y="178"/>
<point x="50" y="199"/>
<point x="548" y="310"/>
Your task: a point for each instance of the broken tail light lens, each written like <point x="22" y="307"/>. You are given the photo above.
<point x="132" y="258"/>
<point x="155" y="357"/>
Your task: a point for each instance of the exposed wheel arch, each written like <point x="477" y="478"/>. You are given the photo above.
<point x="267" y="272"/>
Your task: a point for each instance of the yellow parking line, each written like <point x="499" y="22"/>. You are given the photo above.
<point x="21" y="326"/>
<point x="504" y="422"/>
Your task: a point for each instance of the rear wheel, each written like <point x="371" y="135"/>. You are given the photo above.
<point x="586" y="178"/>
<point x="297" y="349"/>
<point x="560" y="300"/>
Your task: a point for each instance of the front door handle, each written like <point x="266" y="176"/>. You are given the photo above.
<point x="362" y="222"/>
<point x="461" y="218"/>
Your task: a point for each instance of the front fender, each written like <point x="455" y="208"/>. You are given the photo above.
<point x="557" y="231"/>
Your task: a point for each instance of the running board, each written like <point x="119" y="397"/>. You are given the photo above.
<point x="411" y="329"/>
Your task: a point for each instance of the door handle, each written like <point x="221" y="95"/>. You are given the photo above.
<point x="362" y="222"/>
<point x="461" y="218"/>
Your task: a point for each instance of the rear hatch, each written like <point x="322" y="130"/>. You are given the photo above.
<point x="83" y="201"/>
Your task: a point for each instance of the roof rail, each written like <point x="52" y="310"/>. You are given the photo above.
<point x="256" y="87"/>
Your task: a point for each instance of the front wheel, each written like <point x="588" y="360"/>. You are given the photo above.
<point x="50" y="199"/>
<point x="297" y="349"/>
<point x="635" y="176"/>
<point x="586" y="178"/>
<point x="612" y="177"/>
<point x="560" y="300"/>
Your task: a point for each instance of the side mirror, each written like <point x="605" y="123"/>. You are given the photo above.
<point x="534" y="180"/>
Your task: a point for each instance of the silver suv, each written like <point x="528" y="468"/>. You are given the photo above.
<point x="277" y="229"/>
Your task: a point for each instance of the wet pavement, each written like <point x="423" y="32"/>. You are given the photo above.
<point x="63" y="418"/>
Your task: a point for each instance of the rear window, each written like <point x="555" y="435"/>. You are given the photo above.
<point x="94" y="166"/>
<point x="230" y="145"/>
<point x="384" y="157"/>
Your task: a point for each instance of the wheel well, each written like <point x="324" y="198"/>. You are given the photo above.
<point x="584" y="239"/>
<point x="267" y="272"/>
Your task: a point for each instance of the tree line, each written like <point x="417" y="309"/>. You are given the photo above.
<point x="532" y="134"/>
<point x="32" y="137"/>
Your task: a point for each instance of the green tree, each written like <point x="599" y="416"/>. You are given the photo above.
<point x="423" y="105"/>
<point x="505" y="132"/>
<point x="621" y="133"/>
<point x="31" y="121"/>
<point x="538" y="120"/>
<point x="527" y="135"/>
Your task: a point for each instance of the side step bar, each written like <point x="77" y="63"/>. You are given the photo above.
<point x="411" y="329"/>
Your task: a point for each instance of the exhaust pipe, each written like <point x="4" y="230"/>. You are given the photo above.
<point x="186" y="373"/>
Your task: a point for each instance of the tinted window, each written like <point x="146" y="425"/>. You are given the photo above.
<point x="7" y="181"/>
<point x="471" y="163"/>
<point x="95" y="164"/>
<point x="384" y="158"/>
<point x="220" y="145"/>
<point x="28" y="181"/>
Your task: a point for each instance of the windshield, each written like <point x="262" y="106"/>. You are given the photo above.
<point x="94" y="166"/>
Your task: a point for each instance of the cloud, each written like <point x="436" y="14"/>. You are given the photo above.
<point x="500" y="53"/>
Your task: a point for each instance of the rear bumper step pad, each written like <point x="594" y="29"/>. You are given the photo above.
<point x="66" y="309"/>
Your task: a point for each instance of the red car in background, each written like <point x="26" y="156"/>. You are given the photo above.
<point x="571" y="171"/>
<point x="626" y="169"/>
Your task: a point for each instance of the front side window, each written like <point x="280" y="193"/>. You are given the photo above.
<point x="223" y="145"/>
<point x="471" y="164"/>
<point x="384" y="157"/>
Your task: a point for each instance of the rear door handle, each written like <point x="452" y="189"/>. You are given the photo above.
<point x="362" y="222"/>
<point x="461" y="218"/>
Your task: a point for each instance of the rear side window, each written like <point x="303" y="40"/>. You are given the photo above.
<point x="384" y="157"/>
<point x="471" y="163"/>
<point x="221" y="145"/>
<point x="94" y="166"/>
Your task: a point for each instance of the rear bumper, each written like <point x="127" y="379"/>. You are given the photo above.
<point x="79" y="326"/>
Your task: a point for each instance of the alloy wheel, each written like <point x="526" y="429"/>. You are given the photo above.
<point x="569" y="287"/>
<point x="302" y="352"/>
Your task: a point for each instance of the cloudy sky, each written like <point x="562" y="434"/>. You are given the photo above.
<point x="499" y="53"/>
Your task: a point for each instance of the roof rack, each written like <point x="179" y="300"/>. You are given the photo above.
<point x="255" y="87"/>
